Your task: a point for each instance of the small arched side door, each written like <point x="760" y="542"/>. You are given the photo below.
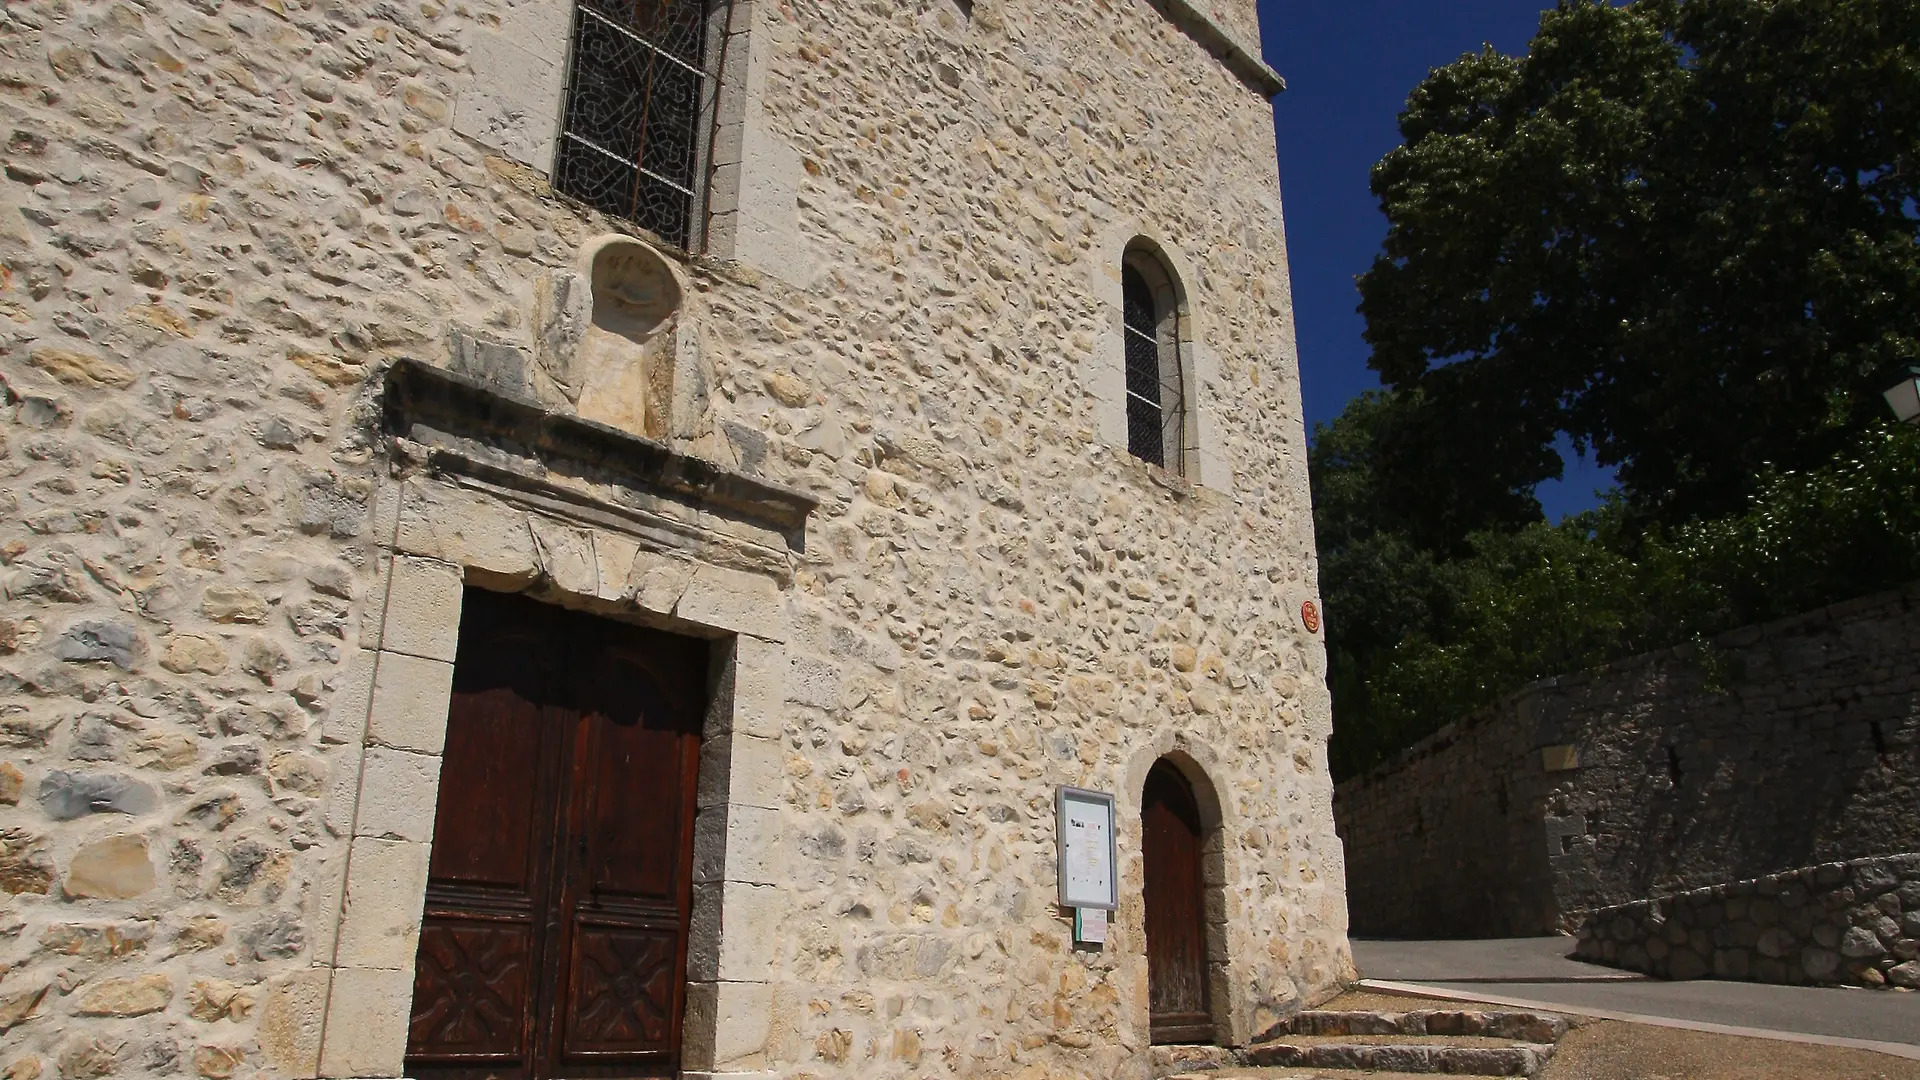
<point x="1174" y="839"/>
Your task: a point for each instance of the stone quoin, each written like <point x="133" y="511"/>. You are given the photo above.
<point x="804" y="344"/>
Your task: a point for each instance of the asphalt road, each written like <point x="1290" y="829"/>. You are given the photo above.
<point x="1538" y="971"/>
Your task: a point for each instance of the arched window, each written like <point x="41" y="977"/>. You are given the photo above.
<point x="1156" y="390"/>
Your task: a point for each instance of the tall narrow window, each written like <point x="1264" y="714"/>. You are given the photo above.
<point x="1155" y="390"/>
<point x="630" y="144"/>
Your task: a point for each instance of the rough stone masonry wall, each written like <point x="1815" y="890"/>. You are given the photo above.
<point x="1845" y="923"/>
<point x="1441" y="843"/>
<point x="220" y="221"/>
<point x="1783" y="745"/>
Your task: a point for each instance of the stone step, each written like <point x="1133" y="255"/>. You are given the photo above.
<point x="1295" y="1074"/>
<point x="1526" y="1027"/>
<point x="1417" y="1058"/>
<point x="1482" y="1042"/>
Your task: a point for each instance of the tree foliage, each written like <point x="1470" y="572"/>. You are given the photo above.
<point x="1525" y="604"/>
<point x="1683" y="233"/>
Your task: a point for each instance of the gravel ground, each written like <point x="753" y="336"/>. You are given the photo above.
<point x="1610" y="1050"/>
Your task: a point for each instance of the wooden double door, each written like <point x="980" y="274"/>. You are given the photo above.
<point x="1173" y="840"/>
<point x="554" y="939"/>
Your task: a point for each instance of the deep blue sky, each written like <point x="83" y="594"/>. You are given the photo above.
<point x="1349" y="65"/>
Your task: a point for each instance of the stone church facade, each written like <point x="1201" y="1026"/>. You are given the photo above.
<point x="581" y="539"/>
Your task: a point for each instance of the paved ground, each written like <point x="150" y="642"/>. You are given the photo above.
<point x="1536" y="971"/>
<point x="1517" y="960"/>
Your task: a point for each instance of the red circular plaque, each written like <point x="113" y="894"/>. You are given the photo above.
<point x="1310" y="616"/>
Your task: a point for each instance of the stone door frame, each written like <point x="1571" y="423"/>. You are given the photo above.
<point x="438" y="533"/>
<point x="1220" y="865"/>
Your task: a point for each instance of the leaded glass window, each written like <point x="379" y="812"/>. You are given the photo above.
<point x="630" y="143"/>
<point x="1155" y="395"/>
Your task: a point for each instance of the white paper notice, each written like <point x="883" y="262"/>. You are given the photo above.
<point x="1088" y="850"/>
<point x="1090" y="927"/>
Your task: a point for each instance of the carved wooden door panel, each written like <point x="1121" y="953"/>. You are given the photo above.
<point x="627" y="898"/>
<point x="1173" y="839"/>
<point x="483" y="933"/>
<point x="559" y="889"/>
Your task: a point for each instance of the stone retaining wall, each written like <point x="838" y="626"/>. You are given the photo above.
<point x="1785" y="744"/>
<point x="1851" y="923"/>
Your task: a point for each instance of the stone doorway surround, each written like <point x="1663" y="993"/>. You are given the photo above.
<point x="498" y="492"/>
<point x="1198" y="763"/>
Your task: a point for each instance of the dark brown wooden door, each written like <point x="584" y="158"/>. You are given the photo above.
<point x="559" y="890"/>
<point x="1172" y="837"/>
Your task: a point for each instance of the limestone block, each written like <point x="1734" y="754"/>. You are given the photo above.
<point x="513" y="103"/>
<point x="323" y="910"/>
<point x="734" y="601"/>
<point x="194" y="652"/>
<point x="386" y="886"/>
<point x="614" y="555"/>
<point x="726" y="1025"/>
<point x="461" y="527"/>
<point x="352" y="695"/>
<point x="734" y="929"/>
<point x="1213" y="468"/>
<point x="760" y="672"/>
<point x="564" y="556"/>
<point x="657" y="582"/>
<point x="423" y="609"/>
<point x="366" y="1031"/>
<point x="397" y="795"/>
<point x="813" y="682"/>
<point x="213" y="1000"/>
<point x="737" y="843"/>
<point x="126" y="997"/>
<point x="409" y="707"/>
<point x="756" y="210"/>
<point x="107" y="941"/>
<point x="113" y="868"/>
<point x="290" y="1021"/>
<point x="741" y="770"/>
<point x="343" y="794"/>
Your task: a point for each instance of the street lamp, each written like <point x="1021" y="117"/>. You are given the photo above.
<point x="1905" y="397"/>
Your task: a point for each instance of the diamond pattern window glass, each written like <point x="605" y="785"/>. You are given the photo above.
<point x="630" y="142"/>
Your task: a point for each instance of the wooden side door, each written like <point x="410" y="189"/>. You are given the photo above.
<point x="627" y="899"/>
<point x="559" y="892"/>
<point x="1176" y="916"/>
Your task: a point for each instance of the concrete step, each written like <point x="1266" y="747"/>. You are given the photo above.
<point x="1526" y="1027"/>
<point x="1424" y="1058"/>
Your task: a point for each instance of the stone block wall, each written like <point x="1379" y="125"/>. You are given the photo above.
<point x="1780" y="745"/>
<point x="1844" y="923"/>
<point x="1442" y="843"/>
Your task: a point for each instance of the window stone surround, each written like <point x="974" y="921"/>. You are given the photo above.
<point x="1104" y="375"/>
<point x="515" y="98"/>
<point x="388" y="725"/>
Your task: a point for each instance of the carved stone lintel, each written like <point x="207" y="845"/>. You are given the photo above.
<point x="459" y="420"/>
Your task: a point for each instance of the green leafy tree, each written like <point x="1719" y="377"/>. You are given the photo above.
<point x="1682" y="232"/>
<point x="1526" y="604"/>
